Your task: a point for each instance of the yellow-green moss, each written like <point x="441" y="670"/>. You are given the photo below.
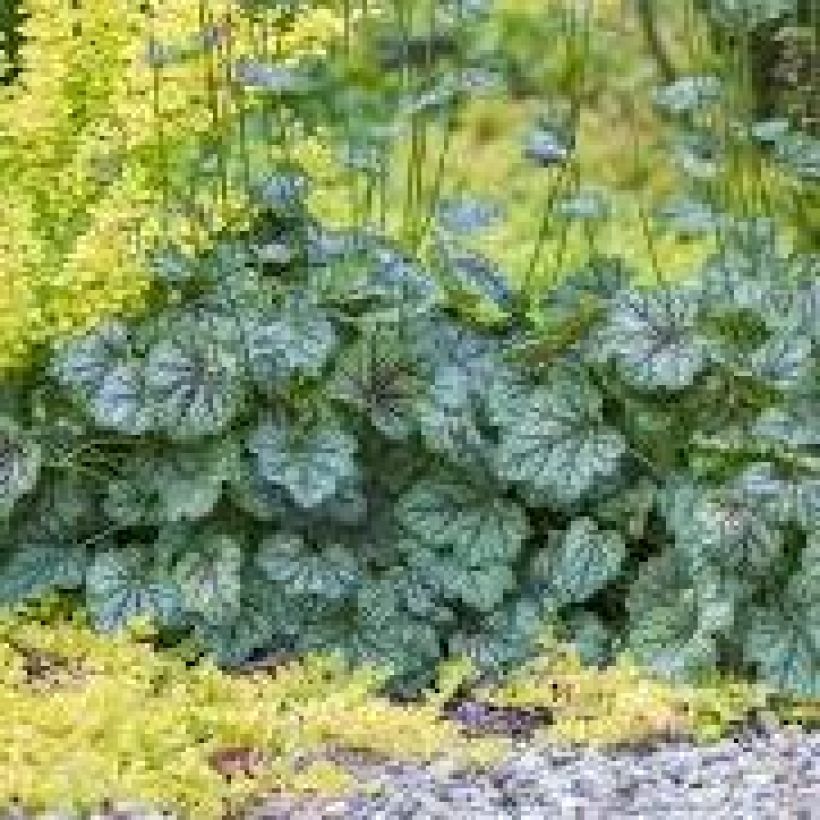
<point x="114" y="719"/>
<point x="624" y="704"/>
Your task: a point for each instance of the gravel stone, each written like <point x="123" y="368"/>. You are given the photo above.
<point x="750" y="778"/>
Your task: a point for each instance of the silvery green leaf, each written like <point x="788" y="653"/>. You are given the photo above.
<point x="194" y="379"/>
<point x="446" y="577"/>
<point x="654" y="337"/>
<point x="447" y="417"/>
<point x="581" y="563"/>
<point x="699" y="155"/>
<point x="590" y="637"/>
<point x="664" y="630"/>
<point x="722" y="528"/>
<point x="807" y="504"/>
<point x="20" y="461"/>
<point x="82" y="363"/>
<point x="770" y="131"/>
<point x="476" y="528"/>
<point x="266" y="614"/>
<point x="348" y="506"/>
<point x="796" y="426"/>
<point x="783" y="641"/>
<point x="172" y="266"/>
<point x="484" y="588"/>
<point x="783" y="360"/>
<point x="189" y="483"/>
<point x="121" y="584"/>
<point x="727" y="283"/>
<point x="131" y="501"/>
<point x="208" y="577"/>
<point x="311" y="466"/>
<point x="688" y="94"/>
<point x="437" y="342"/>
<point x="750" y="14"/>
<point x="120" y="403"/>
<point x="259" y="498"/>
<point x="551" y="440"/>
<point x="33" y="570"/>
<point x="331" y="573"/>
<point x="298" y="338"/>
<point x="766" y="492"/>
<point x="392" y="288"/>
<point x="376" y="376"/>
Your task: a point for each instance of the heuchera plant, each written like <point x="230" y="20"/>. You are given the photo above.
<point x="326" y="454"/>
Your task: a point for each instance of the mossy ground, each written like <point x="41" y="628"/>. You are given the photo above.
<point x="89" y="719"/>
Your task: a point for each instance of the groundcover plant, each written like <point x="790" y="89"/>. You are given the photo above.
<point x="368" y="439"/>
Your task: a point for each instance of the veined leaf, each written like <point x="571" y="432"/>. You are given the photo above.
<point x="194" y="380"/>
<point x="311" y="465"/>
<point x="582" y="561"/>
<point x="551" y="439"/>
<point x="209" y="578"/>
<point x="33" y="570"/>
<point x="476" y="529"/>
<point x="298" y="338"/>
<point x="122" y="584"/>
<point x="332" y="573"/>
<point x="654" y="337"/>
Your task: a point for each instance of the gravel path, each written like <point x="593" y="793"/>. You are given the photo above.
<point x="754" y="776"/>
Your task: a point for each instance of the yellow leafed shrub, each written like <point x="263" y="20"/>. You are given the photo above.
<point x="90" y="135"/>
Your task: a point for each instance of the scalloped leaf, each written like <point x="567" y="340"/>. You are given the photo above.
<point x="259" y="498"/>
<point x="183" y="485"/>
<point x="332" y="573"/>
<point x="376" y="376"/>
<point x="122" y="584"/>
<point x="312" y="465"/>
<point x="784" y="641"/>
<point x="20" y="460"/>
<point x="208" y="575"/>
<point x="298" y="338"/>
<point x="721" y="528"/>
<point x="448" y="417"/>
<point x="477" y="529"/>
<point x="551" y="440"/>
<point x="665" y="631"/>
<point x="82" y="363"/>
<point x="447" y="578"/>
<point x="194" y="377"/>
<point x="583" y="561"/>
<point x="265" y="618"/>
<point x="654" y="337"/>
<point x="33" y="570"/>
<point x="476" y="277"/>
<point x="783" y="361"/>
<point x="796" y="426"/>
<point x="121" y="403"/>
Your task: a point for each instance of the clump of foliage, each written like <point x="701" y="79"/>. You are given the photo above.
<point x="91" y="720"/>
<point x="319" y="450"/>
